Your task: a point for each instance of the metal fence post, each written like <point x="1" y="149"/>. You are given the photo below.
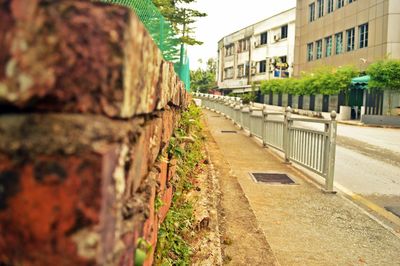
<point x="286" y="147"/>
<point x="331" y="154"/>
<point x="264" y="129"/>
<point x="241" y="115"/>
<point x="250" y="113"/>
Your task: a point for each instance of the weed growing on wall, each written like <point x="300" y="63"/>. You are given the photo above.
<point x="175" y="231"/>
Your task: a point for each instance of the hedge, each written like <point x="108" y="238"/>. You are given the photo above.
<point x="327" y="81"/>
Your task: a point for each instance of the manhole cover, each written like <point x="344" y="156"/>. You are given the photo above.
<point x="228" y="131"/>
<point x="272" y="178"/>
<point x="393" y="209"/>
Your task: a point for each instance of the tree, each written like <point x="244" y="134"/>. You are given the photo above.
<point x="204" y="80"/>
<point x="181" y="18"/>
<point x="385" y="75"/>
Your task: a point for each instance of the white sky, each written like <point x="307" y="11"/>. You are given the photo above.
<point x="225" y="17"/>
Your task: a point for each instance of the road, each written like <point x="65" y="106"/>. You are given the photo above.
<point x="368" y="162"/>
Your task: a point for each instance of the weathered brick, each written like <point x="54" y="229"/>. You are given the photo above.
<point x="143" y="154"/>
<point x="167" y="200"/>
<point x="64" y="192"/>
<point x="52" y="202"/>
<point x="81" y="56"/>
<point x="162" y="176"/>
<point x="76" y="188"/>
<point x="172" y="168"/>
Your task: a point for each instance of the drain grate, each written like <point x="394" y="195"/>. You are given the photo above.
<point x="215" y="116"/>
<point x="228" y="131"/>
<point x="394" y="209"/>
<point x="272" y="178"/>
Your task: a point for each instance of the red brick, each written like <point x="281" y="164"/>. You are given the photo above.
<point x="172" y="168"/>
<point x="167" y="200"/>
<point x="87" y="63"/>
<point x="51" y="199"/>
<point x="144" y="153"/>
<point x="162" y="176"/>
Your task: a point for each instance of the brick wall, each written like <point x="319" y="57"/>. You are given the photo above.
<point x="87" y="105"/>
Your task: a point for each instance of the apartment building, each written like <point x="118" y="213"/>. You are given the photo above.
<point x="343" y="32"/>
<point x="261" y="51"/>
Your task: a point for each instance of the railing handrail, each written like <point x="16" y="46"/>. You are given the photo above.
<point x="311" y="120"/>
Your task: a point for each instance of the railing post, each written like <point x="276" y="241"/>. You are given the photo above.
<point x="250" y="113"/>
<point x="264" y="129"/>
<point x="241" y="115"/>
<point x="331" y="153"/>
<point x="286" y="148"/>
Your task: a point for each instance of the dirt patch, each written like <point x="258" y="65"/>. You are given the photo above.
<point x="206" y="243"/>
<point x="242" y="241"/>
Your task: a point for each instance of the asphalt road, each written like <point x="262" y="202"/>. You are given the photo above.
<point x="368" y="162"/>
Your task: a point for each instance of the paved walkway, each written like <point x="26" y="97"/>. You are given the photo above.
<point x="302" y="225"/>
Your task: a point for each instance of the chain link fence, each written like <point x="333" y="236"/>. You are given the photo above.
<point x="163" y="34"/>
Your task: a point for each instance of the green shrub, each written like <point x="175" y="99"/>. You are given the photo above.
<point x="384" y="74"/>
<point x="324" y="80"/>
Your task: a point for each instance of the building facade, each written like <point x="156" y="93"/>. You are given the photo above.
<point x="345" y="32"/>
<point x="261" y="51"/>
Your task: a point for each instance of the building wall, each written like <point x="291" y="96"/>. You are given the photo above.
<point x="383" y="35"/>
<point x="257" y="51"/>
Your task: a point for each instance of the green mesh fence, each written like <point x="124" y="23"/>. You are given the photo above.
<point x="162" y="33"/>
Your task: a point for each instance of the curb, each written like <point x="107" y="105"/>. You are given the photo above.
<point x="373" y="207"/>
<point x="367" y="125"/>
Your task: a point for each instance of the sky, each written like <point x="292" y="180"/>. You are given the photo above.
<point x="225" y="17"/>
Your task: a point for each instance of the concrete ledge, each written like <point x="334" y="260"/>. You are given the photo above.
<point x="381" y="120"/>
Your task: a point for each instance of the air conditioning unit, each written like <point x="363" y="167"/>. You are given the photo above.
<point x="256" y="44"/>
<point x="277" y="37"/>
<point x="253" y="70"/>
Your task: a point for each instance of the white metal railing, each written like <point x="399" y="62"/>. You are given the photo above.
<point x="298" y="138"/>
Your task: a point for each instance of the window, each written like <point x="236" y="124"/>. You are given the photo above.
<point x="351" y="1"/>
<point x="340" y="3"/>
<point x="363" y="38"/>
<point x="330" y="6"/>
<point x="229" y="49"/>
<point x="243" y="45"/>
<point x="264" y="38"/>
<point x="262" y="66"/>
<point x="339" y="43"/>
<point x="320" y="8"/>
<point x="284" y="31"/>
<point x="328" y="46"/>
<point x="312" y="12"/>
<point x="310" y="51"/>
<point x="350" y="39"/>
<point x="319" y="49"/>
<point x="228" y="73"/>
<point x="240" y="71"/>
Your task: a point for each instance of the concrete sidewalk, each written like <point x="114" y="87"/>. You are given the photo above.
<point x="302" y="225"/>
